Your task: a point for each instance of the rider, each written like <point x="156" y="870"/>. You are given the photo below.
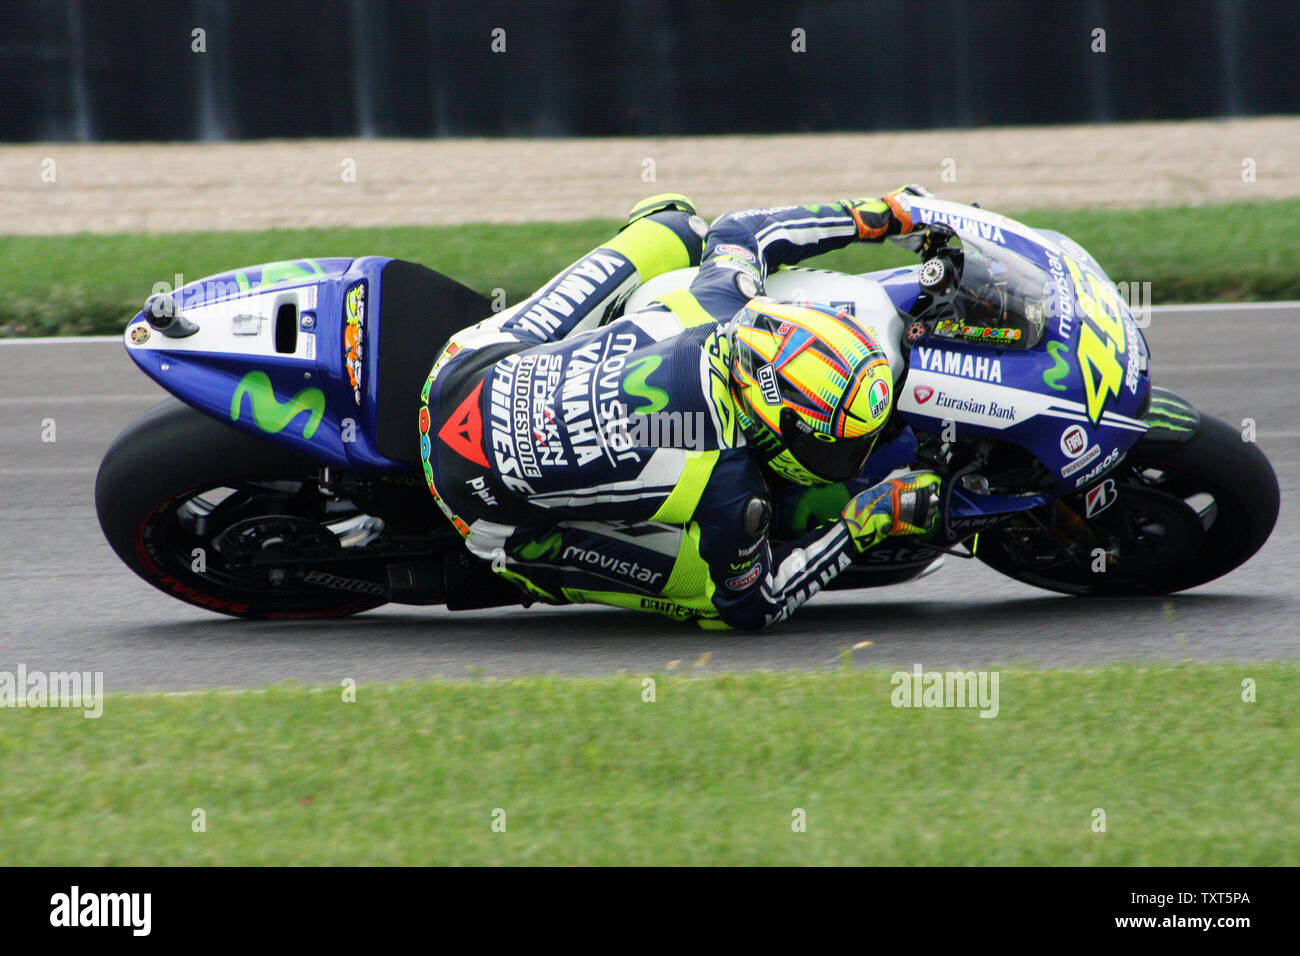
<point x="632" y="463"/>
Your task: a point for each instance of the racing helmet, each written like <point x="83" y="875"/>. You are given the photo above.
<point x="812" y="389"/>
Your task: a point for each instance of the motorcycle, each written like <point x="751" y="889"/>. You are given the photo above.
<point x="286" y="481"/>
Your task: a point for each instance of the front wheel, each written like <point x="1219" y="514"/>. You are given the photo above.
<point x="1171" y="517"/>
<point x="229" y="523"/>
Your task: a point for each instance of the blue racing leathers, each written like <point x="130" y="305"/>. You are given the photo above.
<point x="593" y="457"/>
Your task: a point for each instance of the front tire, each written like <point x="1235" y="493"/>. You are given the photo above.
<point x="1185" y="513"/>
<point x="177" y="486"/>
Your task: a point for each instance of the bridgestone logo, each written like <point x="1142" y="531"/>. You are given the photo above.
<point x="345" y="584"/>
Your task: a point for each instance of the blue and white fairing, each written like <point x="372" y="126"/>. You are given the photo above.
<point x="271" y="355"/>
<point x="1072" y="395"/>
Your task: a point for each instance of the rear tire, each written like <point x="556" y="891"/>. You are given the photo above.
<point x="158" y="464"/>
<point x="1208" y="504"/>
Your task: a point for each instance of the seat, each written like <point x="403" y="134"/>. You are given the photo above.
<point x="419" y="310"/>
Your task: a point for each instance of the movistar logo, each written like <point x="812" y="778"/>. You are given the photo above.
<point x="270" y="414"/>
<point x="1053" y="376"/>
<point x="541" y="548"/>
<point x="635" y="385"/>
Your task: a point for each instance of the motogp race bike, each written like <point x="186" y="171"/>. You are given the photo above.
<point x="286" y="481"/>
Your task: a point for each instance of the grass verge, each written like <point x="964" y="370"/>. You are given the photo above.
<point x="709" y="773"/>
<point x="86" y="284"/>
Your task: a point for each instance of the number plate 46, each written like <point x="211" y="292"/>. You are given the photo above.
<point x="1101" y="339"/>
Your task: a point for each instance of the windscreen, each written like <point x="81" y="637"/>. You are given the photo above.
<point x="1002" y="300"/>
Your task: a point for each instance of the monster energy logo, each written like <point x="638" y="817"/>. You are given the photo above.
<point x="763" y="440"/>
<point x="1168" y="414"/>
<point x="269" y="413"/>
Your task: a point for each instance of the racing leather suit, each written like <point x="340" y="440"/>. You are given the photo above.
<point x="604" y="463"/>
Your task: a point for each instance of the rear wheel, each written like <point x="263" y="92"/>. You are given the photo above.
<point x="226" y="522"/>
<point x="1171" y="517"/>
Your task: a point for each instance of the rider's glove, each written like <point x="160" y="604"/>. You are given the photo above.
<point x="659" y="203"/>
<point x="906" y="505"/>
<point x="890" y="215"/>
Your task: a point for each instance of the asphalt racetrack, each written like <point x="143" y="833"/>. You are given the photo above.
<point x="69" y="604"/>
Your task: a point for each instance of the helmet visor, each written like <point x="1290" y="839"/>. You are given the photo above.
<point x="834" y="459"/>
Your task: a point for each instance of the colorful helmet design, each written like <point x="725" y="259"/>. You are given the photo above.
<point x="813" y="389"/>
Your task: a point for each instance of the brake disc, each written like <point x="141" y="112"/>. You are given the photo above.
<point x="273" y="538"/>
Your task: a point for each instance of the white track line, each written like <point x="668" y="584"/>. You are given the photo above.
<point x="1207" y="307"/>
<point x="43" y="400"/>
<point x="62" y="340"/>
<point x="1227" y="307"/>
<point x="41" y="472"/>
<point x="1162" y="367"/>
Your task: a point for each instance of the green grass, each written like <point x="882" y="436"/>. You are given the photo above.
<point x="67" y="285"/>
<point x="709" y="773"/>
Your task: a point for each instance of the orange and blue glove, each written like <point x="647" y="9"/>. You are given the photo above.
<point x="890" y="215"/>
<point x="897" y="506"/>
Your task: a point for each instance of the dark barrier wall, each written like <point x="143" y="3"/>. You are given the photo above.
<point x="104" y="70"/>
